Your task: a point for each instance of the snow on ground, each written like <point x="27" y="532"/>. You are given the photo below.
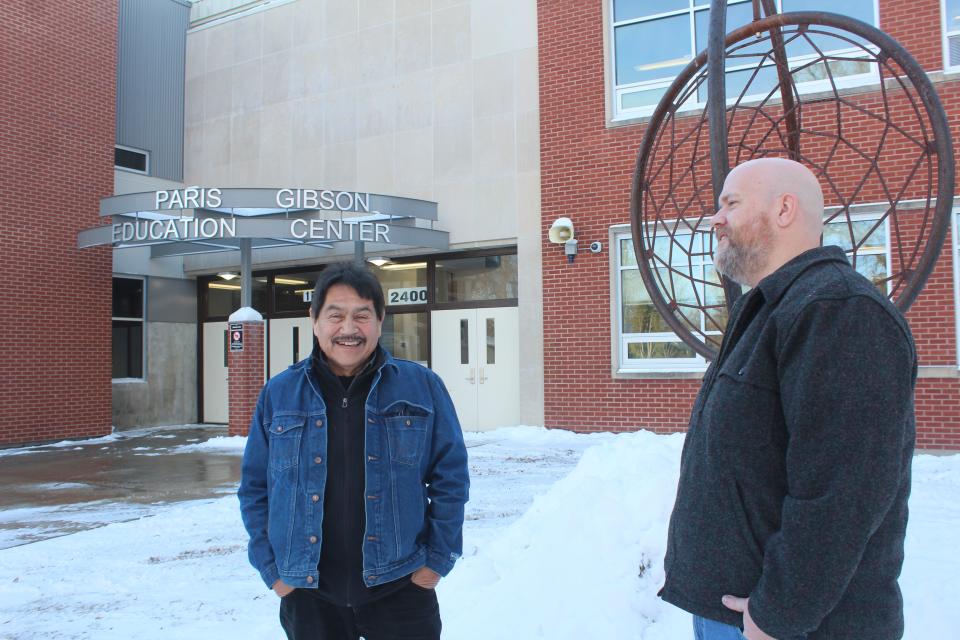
<point x="220" y="444"/>
<point x="563" y="541"/>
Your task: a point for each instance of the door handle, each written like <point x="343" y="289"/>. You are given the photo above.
<point x="472" y="379"/>
<point x="483" y="378"/>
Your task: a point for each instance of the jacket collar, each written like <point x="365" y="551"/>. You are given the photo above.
<point x="776" y="284"/>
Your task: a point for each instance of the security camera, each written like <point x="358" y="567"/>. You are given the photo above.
<point x="561" y="230"/>
<point x="596" y="247"/>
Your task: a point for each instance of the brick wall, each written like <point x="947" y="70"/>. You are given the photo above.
<point x="245" y="377"/>
<point x="57" y="64"/>
<point x="586" y="172"/>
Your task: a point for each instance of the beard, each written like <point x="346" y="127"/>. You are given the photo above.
<point x="745" y="253"/>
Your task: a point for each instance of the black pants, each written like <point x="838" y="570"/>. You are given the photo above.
<point x="412" y="613"/>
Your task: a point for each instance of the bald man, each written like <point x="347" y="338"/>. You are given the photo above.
<point x="792" y="504"/>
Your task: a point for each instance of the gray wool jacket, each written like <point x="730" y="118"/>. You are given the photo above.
<point x="795" y="471"/>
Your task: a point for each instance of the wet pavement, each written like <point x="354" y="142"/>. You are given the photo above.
<point x="57" y="489"/>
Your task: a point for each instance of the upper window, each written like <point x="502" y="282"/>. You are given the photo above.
<point x="645" y="342"/>
<point x="653" y="40"/>
<point x="473" y="279"/>
<point x="131" y="159"/>
<point x="951" y="32"/>
<point x="127" y="328"/>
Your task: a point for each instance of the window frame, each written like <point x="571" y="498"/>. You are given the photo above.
<point x="622" y="366"/>
<point x="945" y="38"/>
<point x="146" y="154"/>
<point x="955" y="235"/>
<point x="143" y="326"/>
<point x="622" y="363"/>
<point x="618" y="114"/>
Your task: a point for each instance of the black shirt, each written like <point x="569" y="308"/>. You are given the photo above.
<point x="344" y="515"/>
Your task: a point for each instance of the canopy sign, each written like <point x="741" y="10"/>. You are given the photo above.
<point x="207" y="219"/>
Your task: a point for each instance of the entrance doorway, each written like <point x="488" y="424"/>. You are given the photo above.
<point x="291" y="340"/>
<point x="215" y="349"/>
<point x="475" y="352"/>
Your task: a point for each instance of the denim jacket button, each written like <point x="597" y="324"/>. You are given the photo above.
<point x="372" y="458"/>
<point x="371" y="497"/>
<point x="309" y="579"/>
<point x="279" y="429"/>
<point x="318" y="460"/>
<point x="372" y="538"/>
<point x="370" y="420"/>
<point x="315" y="497"/>
<point x="319" y="423"/>
<point x="313" y="539"/>
<point x="407" y="422"/>
<point x="372" y="579"/>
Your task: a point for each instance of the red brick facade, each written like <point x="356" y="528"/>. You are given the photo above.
<point x="246" y="377"/>
<point x="586" y="169"/>
<point x="57" y="129"/>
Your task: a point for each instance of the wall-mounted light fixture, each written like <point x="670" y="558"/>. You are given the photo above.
<point x="561" y="232"/>
<point x="228" y="275"/>
<point x="378" y="262"/>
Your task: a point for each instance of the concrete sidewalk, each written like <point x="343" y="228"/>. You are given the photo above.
<point x="57" y="489"/>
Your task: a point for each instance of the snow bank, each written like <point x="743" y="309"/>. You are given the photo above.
<point x="585" y="560"/>
<point x="219" y="444"/>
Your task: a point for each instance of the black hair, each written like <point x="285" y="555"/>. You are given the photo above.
<point x="355" y="276"/>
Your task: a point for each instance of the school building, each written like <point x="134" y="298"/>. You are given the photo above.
<point x="153" y="150"/>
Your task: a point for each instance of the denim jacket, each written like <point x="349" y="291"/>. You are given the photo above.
<point x="416" y="476"/>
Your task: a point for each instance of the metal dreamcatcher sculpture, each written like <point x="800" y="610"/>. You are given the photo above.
<point x="888" y="146"/>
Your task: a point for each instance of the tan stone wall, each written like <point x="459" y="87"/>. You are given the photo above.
<point x="425" y="99"/>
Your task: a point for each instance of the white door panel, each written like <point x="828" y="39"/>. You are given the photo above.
<point x="215" y="391"/>
<point x="475" y="352"/>
<point x="498" y="367"/>
<point x="291" y="340"/>
<point x="453" y="356"/>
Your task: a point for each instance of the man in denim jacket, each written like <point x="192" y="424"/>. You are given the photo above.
<point x="354" y="478"/>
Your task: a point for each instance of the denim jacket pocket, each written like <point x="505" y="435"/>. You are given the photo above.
<point x="406" y="426"/>
<point x="285" y="435"/>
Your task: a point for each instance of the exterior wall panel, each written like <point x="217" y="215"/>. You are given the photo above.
<point x="150" y="81"/>
<point x="57" y="63"/>
<point x="432" y="101"/>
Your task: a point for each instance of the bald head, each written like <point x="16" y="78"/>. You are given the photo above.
<point x="775" y="177"/>
<point x="771" y="210"/>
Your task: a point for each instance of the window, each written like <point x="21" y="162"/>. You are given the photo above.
<point x="403" y="282"/>
<point x="405" y="336"/>
<point x="291" y="292"/>
<point x="653" y="40"/>
<point x="480" y="278"/>
<point x="221" y="295"/>
<point x="127" y="328"/>
<point x="131" y="159"/>
<point x="956" y="278"/>
<point x="869" y="235"/>
<point x="951" y="32"/>
<point x="645" y="342"/>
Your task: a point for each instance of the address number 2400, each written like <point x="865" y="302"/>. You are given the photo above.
<point x="410" y="295"/>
